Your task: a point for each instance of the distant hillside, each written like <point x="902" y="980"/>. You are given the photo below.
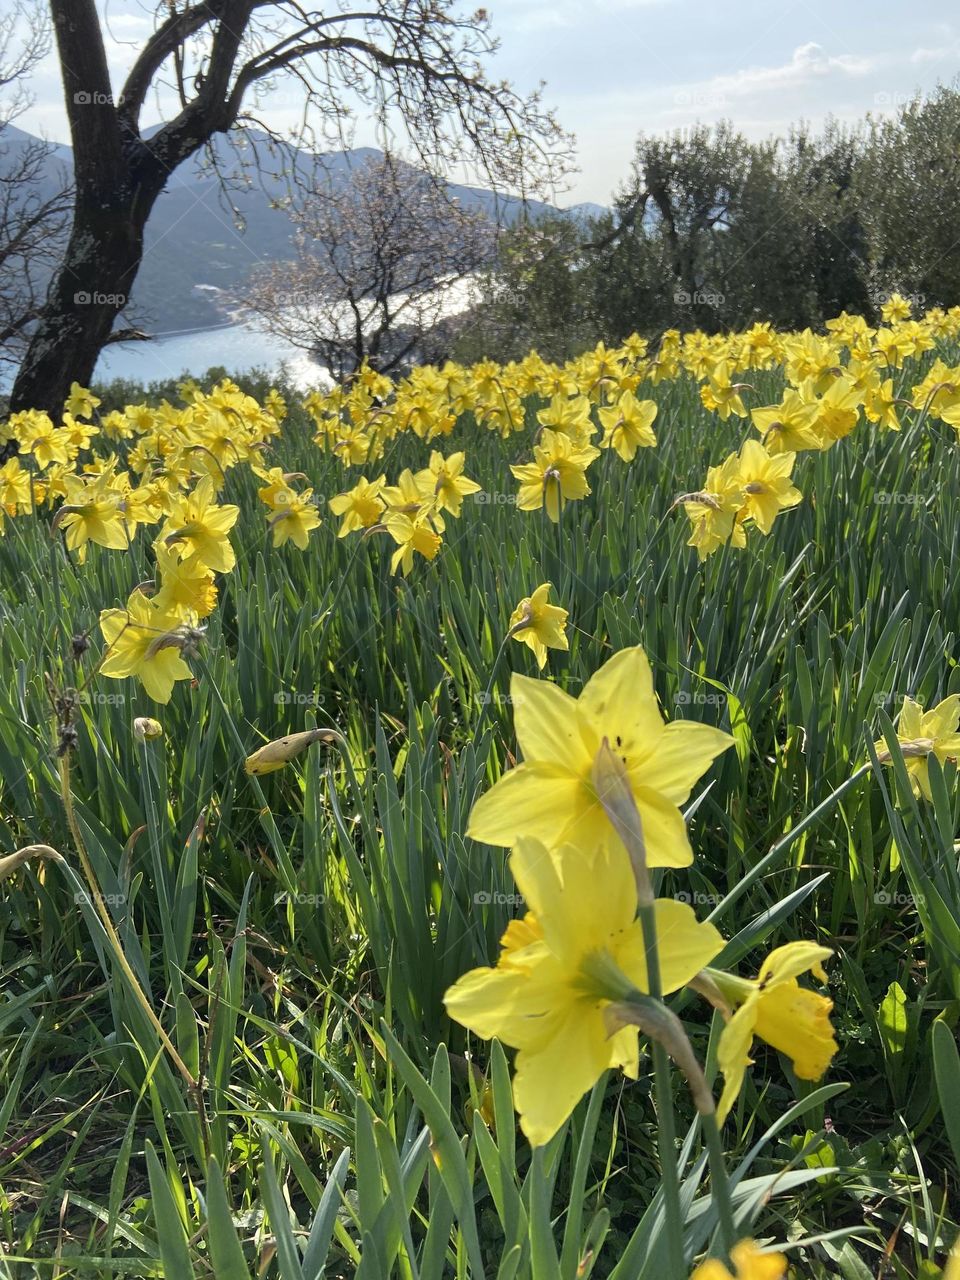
<point x="201" y="239"/>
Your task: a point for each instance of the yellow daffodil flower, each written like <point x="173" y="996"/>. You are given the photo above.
<point x="922" y="734"/>
<point x="838" y="410"/>
<point x="92" y="512"/>
<point x="788" y="426"/>
<point x="880" y="406"/>
<point x="199" y="527"/>
<point x="360" y="506"/>
<point x="293" y="520"/>
<point x="145" y="641"/>
<point x="80" y="403"/>
<point x="551" y="794"/>
<point x="628" y="425"/>
<point x="444" y="477"/>
<point x="187" y="587"/>
<point x="712" y="511"/>
<point x="37" y="436"/>
<point x="557" y="474"/>
<point x="411" y="536"/>
<point x="767" y="487"/>
<point x="794" y="1020"/>
<point x="721" y="395"/>
<point x="14" y="488"/>
<point x="570" y="416"/>
<point x="539" y="625"/>
<point x="748" y="1264"/>
<point x="579" y="948"/>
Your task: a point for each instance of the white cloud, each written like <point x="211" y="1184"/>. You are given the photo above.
<point x="808" y="63"/>
<point x="949" y="50"/>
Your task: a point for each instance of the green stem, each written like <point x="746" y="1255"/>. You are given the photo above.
<point x="339" y="591"/>
<point x="489" y="689"/>
<point x="719" y="1182"/>
<point x="664" y="1104"/>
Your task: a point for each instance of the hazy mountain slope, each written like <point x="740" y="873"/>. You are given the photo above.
<point x="201" y="239"/>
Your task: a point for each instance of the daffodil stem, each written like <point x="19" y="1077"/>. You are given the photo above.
<point x="664" y="1103"/>
<point x="719" y="1182"/>
<point x="330" y="613"/>
<point x="485" y="701"/>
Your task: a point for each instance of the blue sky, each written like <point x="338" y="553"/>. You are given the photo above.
<point x="616" y="67"/>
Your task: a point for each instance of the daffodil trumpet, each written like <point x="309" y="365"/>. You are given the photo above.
<point x="792" y="1019"/>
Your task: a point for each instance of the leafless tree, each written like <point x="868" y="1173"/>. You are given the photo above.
<point x="419" y="65"/>
<point x="383" y="255"/>
<point x="34" y="194"/>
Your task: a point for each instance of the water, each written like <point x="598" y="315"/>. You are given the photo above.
<point x="237" y="347"/>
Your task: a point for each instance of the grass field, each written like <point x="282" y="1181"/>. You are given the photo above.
<point x="293" y="933"/>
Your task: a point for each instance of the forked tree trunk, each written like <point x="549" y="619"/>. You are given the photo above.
<point x="87" y="294"/>
<point x="118" y="176"/>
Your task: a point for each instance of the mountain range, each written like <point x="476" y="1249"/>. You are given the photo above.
<point x="203" y="239"/>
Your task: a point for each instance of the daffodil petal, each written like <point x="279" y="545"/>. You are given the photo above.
<point x="549" y="1083"/>
<point x="733" y="1055"/>
<point x="910" y="724"/>
<point x="517" y="1005"/>
<point x="618" y="702"/>
<point x="531" y="800"/>
<point x="685" y="945"/>
<point x="683" y="753"/>
<point x="546" y="724"/>
<point x="796" y="1022"/>
<point x="579" y="895"/>
<point x="664" y="830"/>
<point x="791" y="960"/>
<point x="942" y="719"/>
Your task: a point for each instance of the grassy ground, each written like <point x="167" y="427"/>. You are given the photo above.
<point x="296" y="933"/>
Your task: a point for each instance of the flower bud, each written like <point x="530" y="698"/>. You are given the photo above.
<point x="613" y="790"/>
<point x="145" y="729"/>
<point x="281" y="751"/>
<point x="12" y="861"/>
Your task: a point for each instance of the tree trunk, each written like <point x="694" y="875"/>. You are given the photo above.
<point x="117" y="179"/>
<point x="111" y="203"/>
<point x="88" y="293"/>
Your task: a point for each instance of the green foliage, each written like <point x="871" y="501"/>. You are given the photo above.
<point x="296" y="934"/>
<point x="713" y="231"/>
